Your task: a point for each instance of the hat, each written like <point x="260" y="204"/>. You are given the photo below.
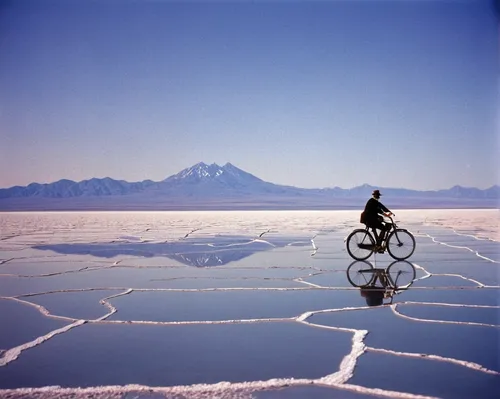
<point x="376" y="193"/>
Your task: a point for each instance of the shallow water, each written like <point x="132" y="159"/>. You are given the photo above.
<point x="243" y="304"/>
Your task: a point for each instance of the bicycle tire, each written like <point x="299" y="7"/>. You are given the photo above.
<point x="355" y="239"/>
<point x="360" y="273"/>
<point x="401" y="274"/>
<point x="401" y="244"/>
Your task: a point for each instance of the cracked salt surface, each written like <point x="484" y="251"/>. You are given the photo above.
<point x="424" y="375"/>
<point x="396" y="334"/>
<point x="24" y="324"/>
<point x="242" y="304"/>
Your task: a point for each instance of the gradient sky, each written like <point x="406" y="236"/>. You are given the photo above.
<point x="312" y="94"/>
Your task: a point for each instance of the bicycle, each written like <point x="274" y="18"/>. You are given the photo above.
<point x="398" y="276"/>
<point x="400" y="243"/>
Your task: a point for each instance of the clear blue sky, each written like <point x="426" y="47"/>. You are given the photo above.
<point x="312" y="94"/>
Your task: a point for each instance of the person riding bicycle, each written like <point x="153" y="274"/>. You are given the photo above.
<point x="371" y="216"/>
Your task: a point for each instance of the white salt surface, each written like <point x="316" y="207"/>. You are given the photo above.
<point x="312" y="241"/>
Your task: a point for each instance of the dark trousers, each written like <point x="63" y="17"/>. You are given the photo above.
<point x="383" y="227"/>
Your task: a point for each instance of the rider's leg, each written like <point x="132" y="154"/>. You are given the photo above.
<point x="374" y="230"/>
<point x="379" y="238"/>
<point x="382" y="234"/>
<point x="385" y="231"/>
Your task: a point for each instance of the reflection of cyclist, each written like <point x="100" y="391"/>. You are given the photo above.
<point x="372" y="217"/>
<point x="374" y="296"/>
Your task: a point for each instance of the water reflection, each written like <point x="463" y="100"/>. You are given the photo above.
<point x="378" y="284"/>
<point x="375" y="296"/>
<point x="199" y="252"/>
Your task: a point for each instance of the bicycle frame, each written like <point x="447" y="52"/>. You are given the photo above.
<point x="393" y="228"/>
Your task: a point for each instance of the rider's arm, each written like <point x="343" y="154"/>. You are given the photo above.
<point x="387" y="212"/>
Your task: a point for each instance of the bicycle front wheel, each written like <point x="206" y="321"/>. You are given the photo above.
<point x="400" y="244"/>
<point x="360" y="273"/>
<point x="360" y="244"/>
<point x="401" y="274"/>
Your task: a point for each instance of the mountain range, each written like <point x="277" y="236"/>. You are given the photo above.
<point x="204" y="186"/>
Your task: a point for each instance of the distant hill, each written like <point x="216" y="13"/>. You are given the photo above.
<point x="203" y="186"/>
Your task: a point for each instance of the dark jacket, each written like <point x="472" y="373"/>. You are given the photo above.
<point x="373" y="209"/>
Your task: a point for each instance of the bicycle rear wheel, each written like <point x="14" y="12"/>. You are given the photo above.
<point x="360" y="244"/>
<point x="400" y="244"/>
<point x="401" y="274"/>
<point x="360" y="273"/>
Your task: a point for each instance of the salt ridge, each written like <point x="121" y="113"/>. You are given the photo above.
<point x="13" y="353"/>
<point x="463" y="363"/>
<point x="468" y="323"/>
<point x="222" y="390"/>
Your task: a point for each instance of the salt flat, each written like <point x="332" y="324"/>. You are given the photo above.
<point x="243" y="304"/>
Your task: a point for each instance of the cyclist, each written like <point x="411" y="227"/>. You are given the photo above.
<point x="371" y="216"/>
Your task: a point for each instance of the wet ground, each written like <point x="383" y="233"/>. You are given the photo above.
<point x="243" y="304"/>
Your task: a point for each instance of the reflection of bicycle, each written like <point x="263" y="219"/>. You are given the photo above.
<point x="398" y="276"/>
<point x="400" y="243"/>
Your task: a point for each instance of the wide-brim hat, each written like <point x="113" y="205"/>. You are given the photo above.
<point x="376" y="193"/>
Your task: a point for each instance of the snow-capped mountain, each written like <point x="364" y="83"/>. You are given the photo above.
<point x="228" y="175"/>
<point x="204" y="186"/>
